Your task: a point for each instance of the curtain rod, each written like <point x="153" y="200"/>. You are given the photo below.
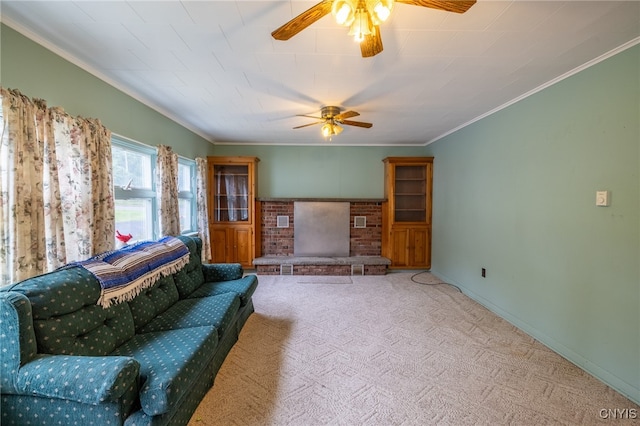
<point x="133" y="141"/>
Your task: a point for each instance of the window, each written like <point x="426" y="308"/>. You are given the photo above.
<point x="134" y="171"/>
<point x="134" y="188"/>
<point x="187" y="194"/>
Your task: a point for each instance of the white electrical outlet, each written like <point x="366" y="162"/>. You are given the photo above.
<point x="603" y="198"/>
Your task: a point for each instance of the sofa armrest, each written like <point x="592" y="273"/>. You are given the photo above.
<point x="85" y="379"/>
<point x="215" y="272"/>
<point x="18" y="337"/>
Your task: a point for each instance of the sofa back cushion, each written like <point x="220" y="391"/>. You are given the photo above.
<point x="66" y="316"/>
<point x="191" y="276"/>
<point x="185" y="284"/>
<point x="92" y="331"/>
<point x="153" y="301"/>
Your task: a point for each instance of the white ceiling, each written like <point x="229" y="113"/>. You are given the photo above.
<point x="213" y="66"/>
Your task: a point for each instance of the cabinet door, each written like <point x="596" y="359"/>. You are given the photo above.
<point x="410" y="248"/>
<point x="232" y="245"/>
<point x="219" y="244"/>
<point x="400" y="247"/>
<point x="231" y="193"/>
<point x="243" y="246"/>
<point x="419" y="247"/>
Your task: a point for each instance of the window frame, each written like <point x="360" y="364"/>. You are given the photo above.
<point x="119" y="193"/>
<point x="151" y="194"/>
<point x="189" y="195"/>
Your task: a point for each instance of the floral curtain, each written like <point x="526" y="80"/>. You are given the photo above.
<point x="202" y="215"/>
<point x="83" y="150"/>
<point x="22" y="249"/>
<point x="56" y="191"/>
<point x="167" y="191"/>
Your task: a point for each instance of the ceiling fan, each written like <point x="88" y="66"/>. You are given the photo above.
<point x="363" y="17"/>
<point x="331" y="118"/>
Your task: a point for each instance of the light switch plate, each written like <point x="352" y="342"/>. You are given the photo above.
<point x="603" y="198"/>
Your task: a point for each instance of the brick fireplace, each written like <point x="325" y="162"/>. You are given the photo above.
<point x="279" y="240"/>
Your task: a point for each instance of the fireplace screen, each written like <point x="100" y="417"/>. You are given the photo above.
<point x="321" y="228"/>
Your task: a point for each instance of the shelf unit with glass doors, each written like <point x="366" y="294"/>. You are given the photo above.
<point x="232" y="222"/>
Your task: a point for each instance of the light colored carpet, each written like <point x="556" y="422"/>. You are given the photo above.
<point x="323" y="279"/>
<point x="385" y="350"/>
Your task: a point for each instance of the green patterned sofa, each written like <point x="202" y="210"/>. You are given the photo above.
<point x="150" y="361"/>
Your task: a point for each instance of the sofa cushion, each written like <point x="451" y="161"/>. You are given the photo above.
<point x="66" y="317"/>
<point x="194" y="244"/>
<point x="214" y="272"/>
<point x="153" y="301"/>
<point x="184" y="283"/>
<point x="19" y="410"/>
<point x="86" y="379"/>
<point x="218" y="311"/>
<point x="194" y="268"/>
<point x="243" y="287"/>
<point x="59" y="292"/>
<point x="170" y="362"/>
<point x="196" y="275"/>
<point x="91" y="330"/>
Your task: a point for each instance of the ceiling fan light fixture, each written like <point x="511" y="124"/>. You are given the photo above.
<point x="333" y="120"/>
<point x="380" y="10"/>
<point x="326" y="130"/>
<point x="344" y="11"/>
<point x="361" y="26"/>
<point x="330" y="128"/>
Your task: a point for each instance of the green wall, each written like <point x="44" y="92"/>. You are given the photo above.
<point x="515" y="193"/>
<point x="315" y="171"/>
<point x="39" y="73"/>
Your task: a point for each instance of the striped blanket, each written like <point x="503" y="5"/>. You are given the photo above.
<point x="124" y="273"/>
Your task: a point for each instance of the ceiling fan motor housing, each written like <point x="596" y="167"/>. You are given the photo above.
<point x="329" y="111"/>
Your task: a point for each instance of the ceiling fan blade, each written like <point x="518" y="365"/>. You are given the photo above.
<point x="357" y="123"/>
<point x="310" y="116"/>
<point x="346" y="114"/>
<point x="310" y="124"/>
<point x="460" y="6"/>
<point x="302" y="21"/>
<point x="372" y="43"/>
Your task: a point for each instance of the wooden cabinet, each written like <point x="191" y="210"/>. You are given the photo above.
<point x="410" y="247"/>
<point x="406" y="213"/>
<point x="232" y="209"/>
<point x="232" y="244"/>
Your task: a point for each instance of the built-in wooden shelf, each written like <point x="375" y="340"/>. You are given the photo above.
<point x="406" y="233"/>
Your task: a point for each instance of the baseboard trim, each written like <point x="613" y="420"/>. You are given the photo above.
<point x="608" y="378"/>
